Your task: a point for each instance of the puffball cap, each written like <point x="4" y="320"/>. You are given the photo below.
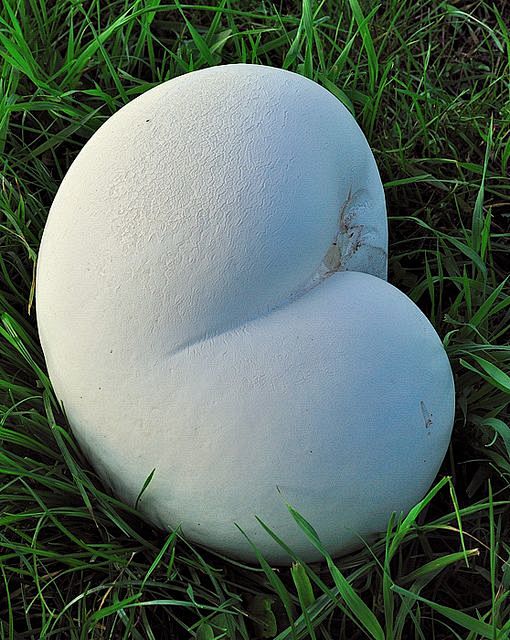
<point x="211" y="303"/>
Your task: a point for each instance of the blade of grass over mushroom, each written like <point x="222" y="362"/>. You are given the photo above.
<point x="273" y="580"/>
<point x="398" y="528"/>
<point x="146" y="483"/>
<point x="354" y="603"/>
<point x="331" y="593"/>
<point x="303" y="585"/>
<point x="410" y="519"/>
<point x="305" y="594"/>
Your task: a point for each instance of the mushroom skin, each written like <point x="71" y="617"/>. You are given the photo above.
<point x="212" y="305"/>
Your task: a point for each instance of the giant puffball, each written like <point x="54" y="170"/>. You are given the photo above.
<point x="212" y="305"/>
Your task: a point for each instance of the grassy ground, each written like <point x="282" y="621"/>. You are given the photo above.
<point x="429" y="84"/>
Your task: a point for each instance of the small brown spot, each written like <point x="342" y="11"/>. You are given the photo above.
<point x="427" y="415"/>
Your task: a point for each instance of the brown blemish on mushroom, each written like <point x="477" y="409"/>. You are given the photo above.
<point x="353" y="232"/>
<point x="427" y="416"/>
<point x="347" y="240"/>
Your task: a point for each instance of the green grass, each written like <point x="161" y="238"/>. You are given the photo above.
<point x="429" y="82"/>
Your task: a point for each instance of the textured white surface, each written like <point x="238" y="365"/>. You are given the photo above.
<point x="192" y="323"/>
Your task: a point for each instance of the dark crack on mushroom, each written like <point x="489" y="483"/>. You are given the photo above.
<point x="427" y="415"/>
<point x="348" y="238"/>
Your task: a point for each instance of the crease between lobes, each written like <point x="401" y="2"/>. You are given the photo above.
<point x="335" y="260"/>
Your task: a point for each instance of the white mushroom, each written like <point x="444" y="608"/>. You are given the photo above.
<point x="203" y="312"/>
